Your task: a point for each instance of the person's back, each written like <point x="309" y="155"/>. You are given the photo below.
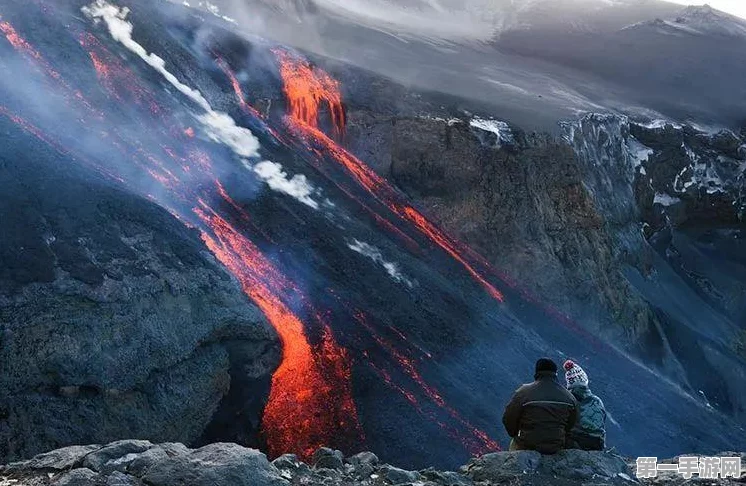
<point x="589" y="432"/>
<point x="540" y="414"/>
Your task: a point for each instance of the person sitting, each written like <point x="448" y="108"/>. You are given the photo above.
<point x="540" y="414"/>
<point x="589" y="432"/>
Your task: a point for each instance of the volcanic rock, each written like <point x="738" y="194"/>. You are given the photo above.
<point x="115" y="321"/>
<point x="328" y="458"/>
<point x="226" y="464"/>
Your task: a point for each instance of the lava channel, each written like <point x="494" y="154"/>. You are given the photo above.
<point x="306" y="88"/>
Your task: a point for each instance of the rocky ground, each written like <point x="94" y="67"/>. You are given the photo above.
<point x="136" y="462"/>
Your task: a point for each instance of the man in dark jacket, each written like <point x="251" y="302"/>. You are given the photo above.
<point x="540" y="414"/>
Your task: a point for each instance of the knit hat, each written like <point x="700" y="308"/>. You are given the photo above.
<point x="546" y="364"/>
<point x="574" y="374"/>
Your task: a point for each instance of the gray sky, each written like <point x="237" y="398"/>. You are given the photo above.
<point x="735" y="7"/>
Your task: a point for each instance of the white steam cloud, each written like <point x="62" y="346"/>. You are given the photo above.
<point x="297" y="186"/>
<point x="375" y="254"/>
<point x="219" y="126"/>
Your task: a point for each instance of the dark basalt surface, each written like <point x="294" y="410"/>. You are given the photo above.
<point x="114" y="318"/>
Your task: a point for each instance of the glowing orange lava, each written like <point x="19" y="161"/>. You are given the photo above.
<point x="310" y="402"/>
<point x="310" y="399"/>
<point x="305" y="87"/>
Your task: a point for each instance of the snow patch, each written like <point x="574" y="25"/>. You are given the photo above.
<point x="499" y="128"/>
<point x="665" y="200"/>
<point x="375" y="254"/>
<point x="639" y="152"/>
<point x="213" y="9"/>
<point x="219" y="126"/>
<point x="448" y="121"/>
<point x="660" y="124"/>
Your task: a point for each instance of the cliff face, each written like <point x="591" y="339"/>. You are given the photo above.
<point x="634" y="230"/>
<point x="115" y="320"/>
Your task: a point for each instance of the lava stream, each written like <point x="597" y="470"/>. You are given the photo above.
<point x="298" y="416"/>
<point x="310" y="402"/>
<point x="481" y="442"/>
<point x="305" y="88"/>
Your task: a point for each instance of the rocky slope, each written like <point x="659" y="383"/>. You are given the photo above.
<point x="136" y="462"/>
<point x="114" y="318"/>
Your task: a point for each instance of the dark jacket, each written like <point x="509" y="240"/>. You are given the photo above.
<point x="540" y="414"/>
<point x="589" y="432"/>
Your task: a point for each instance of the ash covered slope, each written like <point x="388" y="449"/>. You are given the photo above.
<point x="115" y="318"/>
<point x="394" y="333"/>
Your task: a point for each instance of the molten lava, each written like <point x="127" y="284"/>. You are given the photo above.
<point x="298" y="416"/>
<point x="310" y="402"/>
<point x="305" y="87"/>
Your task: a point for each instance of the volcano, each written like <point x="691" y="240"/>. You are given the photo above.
<point x="397" y="336"/>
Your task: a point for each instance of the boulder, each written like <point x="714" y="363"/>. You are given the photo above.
<point x="328" y="458"/>
<point x="446" y="478"/>
<point x="360" y="458"/>
<point x="116" y="456"/>
<point x="215" y="464"/>
<point x="584" y="465"/>
<point x="498" y="465"/>
<point x="139" y="465"/>
<point x="363" y="464"/>
<point x="394" y="475"/>
<point x="79" y="477"/>
<point x="119" y="479"/>
<point x="60" y="459"/>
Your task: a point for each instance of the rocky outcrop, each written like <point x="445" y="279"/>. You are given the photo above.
<point x="142" y="463"/>
<point x="524" y="201"/>
<point x="115" y="321"/>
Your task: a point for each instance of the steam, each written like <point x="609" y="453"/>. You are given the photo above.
<point x="219" y="126"/>
<point x="297" y="186"/>
<point x="375" y="254"/>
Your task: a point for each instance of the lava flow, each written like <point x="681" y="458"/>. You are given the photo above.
<point x="310" y="402"/>
<point x="477" y="441"/>
<point x="305" y="88"/>
<point x="298" y="416"/>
